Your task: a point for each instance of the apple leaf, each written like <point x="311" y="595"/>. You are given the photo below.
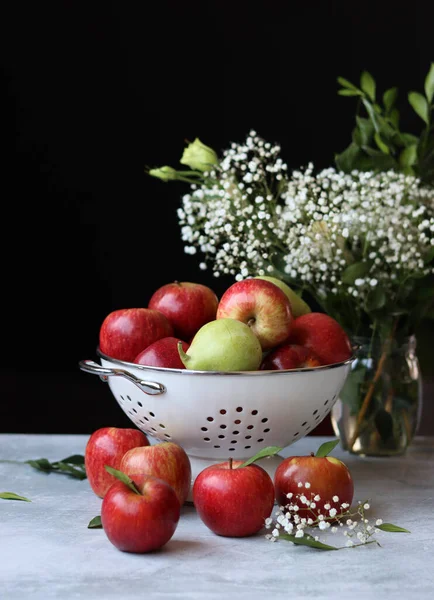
<point x="268" y="451"/>
<point x="326" y="448"/>
<point x="71" y="465"/>
<point x="306" y="540"/>
<point x="123" y="477"/>
<point x="95" y="523"/>
<point x="12" y="496"/>
<point x="391" y="527"/>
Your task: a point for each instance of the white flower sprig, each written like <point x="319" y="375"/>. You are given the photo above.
<point x="338" y="518"/>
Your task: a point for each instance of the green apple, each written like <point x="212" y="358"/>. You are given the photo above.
<point x="298" y="305"/>
<point x="223" y="345"/>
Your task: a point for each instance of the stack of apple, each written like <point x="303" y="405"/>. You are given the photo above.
<point x="259" y="323"/>
<point x="145" y="486"/>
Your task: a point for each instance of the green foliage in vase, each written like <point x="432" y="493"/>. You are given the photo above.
<point x="378" y="142"/>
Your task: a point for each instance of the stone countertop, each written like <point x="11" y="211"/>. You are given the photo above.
<point x="47" y="551"/>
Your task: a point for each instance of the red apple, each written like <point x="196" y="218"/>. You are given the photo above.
<point x="323" y="335"/>
<point x="326" y="477"/>
<point x="187" y="305"/>
<point x="263" y="306"/>
<point x="289" y="356"/>
<point x="127" y="331"/>
<point x="165" y="460"/>
<point x="140" y="522"/>
<point x="233" y="501"/>
<point x="162" y="353"/>
<point x="106" y="446"/>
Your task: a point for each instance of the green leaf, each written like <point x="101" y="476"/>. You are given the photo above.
<point x="306" y="540"/>
<point x="355" y="271"/>
<point x="394" y="117"/>
<point x="371" y="113"/>
<point x="408" y="156"/>
<point x="429" y="255"/>
<point x="365" y="129"/>
<point x="375" y="299"/>
<point x="346" y="160"/>
<point x="350" y="393"/>
<point x="12" y="496"/>
<point x="74" y="459"/>
<point x="70" y="470"/>
<point x="392" y="528"/>
<point x="389" y="98"/>
<point x="95" y="523"/>
<point x="123" y="477"/>
<point x="409" y="139"/>
<point x="345" y="92"/>
<point x="72" y="465"/>
<point x="268" y="451"/>
<point x="367" y="83"/>
<point x="420" y="105"/>
<point x="383" y="147"/>
<point x="347" y="84"/>
<point x="326" y="448"/>
<point x="429" y="84"/>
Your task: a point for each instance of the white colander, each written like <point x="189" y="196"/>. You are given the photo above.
<point x="217" y="415"/>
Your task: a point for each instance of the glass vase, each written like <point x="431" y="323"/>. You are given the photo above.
<point x="378" y="410"/>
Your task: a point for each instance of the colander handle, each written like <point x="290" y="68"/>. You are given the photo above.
<point x="153" y="388"/>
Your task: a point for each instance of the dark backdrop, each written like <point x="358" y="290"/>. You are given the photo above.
<point x="94" y="91"/>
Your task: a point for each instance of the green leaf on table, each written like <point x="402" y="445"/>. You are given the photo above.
<point x="326" y="448"/>
<point x="392" y="528"/>
<point x="367" y="83"/>
<point x="12" y="496"/>
<point x="71" y="465"/>
<point x="95" y="523"/>
<point x="420" y="105"/>
<point x="123" y="477"/>
<point x="429" y="84"/>
<point x="268" y="451"/>
<point x="306" y="540"/>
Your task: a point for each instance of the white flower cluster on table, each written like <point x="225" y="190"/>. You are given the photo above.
<point x="337" y="517"/>
<point x="248" y="213"/>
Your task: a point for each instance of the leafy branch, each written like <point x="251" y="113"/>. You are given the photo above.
<point x="378" y="143"/>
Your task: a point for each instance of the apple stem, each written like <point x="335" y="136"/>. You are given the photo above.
<point x="251" y="321"/>
<point x="230" y="463"/>
<point x="183" y="355"/>
<point x="312" y="454"/>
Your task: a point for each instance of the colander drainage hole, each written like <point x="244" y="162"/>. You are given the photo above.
<point x="266" y="430"/>
<point x="153" y="429"/>
<point x="314" y="412"/>
<point x="231" y="449"/>
<point x="248" y="437"/>
<point x="146" y="419"/>
<point x="140" y="404"/>
<point x="223" y="426"/>
<point x="233" y="441"/>
<point x="210" y="419"/>
<point x="216" y="446"/>
<point x="152" y="414"/>
<point x="167" y="435"/>
<point x="249" y="426"/>
<point x="134" y="410"/>
<point x="264" y="420"/>
<point x="254" y="412"/>
<point x="128" y="398"/>
<point x="326" y="402"/>
<point x="247" y="447"/>
<point x="260" y="440"/>
<point x="222" y="412"/>
<point x="237" y="422"/>
<point x="235" y="432"/>
<point x="239" y="409"/>
<point x="204" y="428"/>
<point x="206" y="440"/>
<point x="296" y="434"/>
<point x="304" y="423"/>
<point x="122" y="398"/>
<point x="222" y="437"/>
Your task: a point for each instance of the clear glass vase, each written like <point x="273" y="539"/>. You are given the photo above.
<point x="379" y="407"/>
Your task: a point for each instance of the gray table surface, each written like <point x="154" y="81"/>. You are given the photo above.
<point x="47" y="551"/>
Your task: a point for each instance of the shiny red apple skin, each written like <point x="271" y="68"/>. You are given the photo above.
<point x="165" y="460"/>
<point x="124" y="333"/>
<point x="233" y="502"/>
<point x="162" y="353"/>
<point x="323" y="335"/>
<point x="263" y="306"/>
<point x="106" y="446"/>
<point x="328" y="477"/>
<point x="289" y="356"/>
<point x="140" y="523"/>
<point x="187" y="305"/>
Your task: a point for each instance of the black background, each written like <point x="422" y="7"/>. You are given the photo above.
<point x="94" y="91"/>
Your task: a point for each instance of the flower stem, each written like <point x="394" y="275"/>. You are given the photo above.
<point x="370" y="392"/>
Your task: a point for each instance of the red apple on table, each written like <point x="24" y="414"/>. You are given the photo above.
<point x="187" y="305"/>
<point x="143" y="520"/>
<point x="165" y="460"/>
<point x="233" y="501"/>
<point x="289" y="356"/>
<point x="263" y="306"/>
<point x="127" y="331"/>
<point x="323" y="335"/>
<point x="106" y="446"/>
<point x="326" y="477"/>
<point x="162" y="353"/>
